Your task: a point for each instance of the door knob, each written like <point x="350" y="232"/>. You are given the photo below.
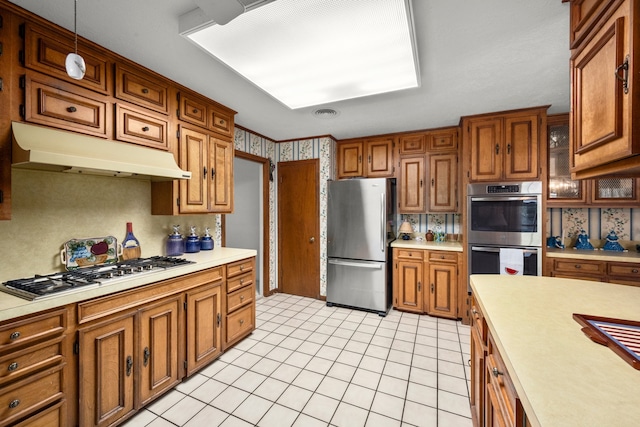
<point x="311" y="240"/>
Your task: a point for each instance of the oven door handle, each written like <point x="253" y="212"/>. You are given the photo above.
<point x="494" y="249"/>
<point x="505" y="199"/>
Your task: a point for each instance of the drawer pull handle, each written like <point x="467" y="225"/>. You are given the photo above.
<point x="241" y="267"/>
<point x="441" y="256"/>
<point x="578" y="266"/>
<point x="71" y="109"/>
<point x="146" y="355"/>
<point x="145" y="129"/>
<point x="496" y="373"/>
<point x="13" y="366"/>
<point x="195" y="111"/>
<point x="145" y="90"/>
<point x="129" y="364"/>
<point x="241" y="321"/>
<point x="634" y="271"/>
<point x="14" y="335"/>
<point x="241" y="298"/>
<point x="14" y="403"/>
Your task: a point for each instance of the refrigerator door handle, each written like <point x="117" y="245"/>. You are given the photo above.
<point x="383" y="221"/>
<point x="373" y="266"/>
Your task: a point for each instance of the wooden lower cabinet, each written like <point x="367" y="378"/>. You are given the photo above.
<point x="204" y="313"/>
<point x="240" y="307"/>
<point x="106" y="371"/>
<point x="624" y="273"/>
<point x="426" y="281"/>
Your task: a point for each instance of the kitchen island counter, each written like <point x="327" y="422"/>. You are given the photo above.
<point x="561" y="377"/>
<point x="12" y="306"/>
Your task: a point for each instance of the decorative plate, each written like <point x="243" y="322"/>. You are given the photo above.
<point x="78" y="253"/>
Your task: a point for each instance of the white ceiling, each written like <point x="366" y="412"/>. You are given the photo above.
<point x="475" y="56"/>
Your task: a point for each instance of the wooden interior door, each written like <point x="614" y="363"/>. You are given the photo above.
<point x="299" y="228"/>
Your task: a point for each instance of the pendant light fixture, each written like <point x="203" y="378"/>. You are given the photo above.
<point x="75" y="63"/>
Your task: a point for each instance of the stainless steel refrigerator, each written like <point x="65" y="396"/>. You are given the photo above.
<point x="361" y="223"/>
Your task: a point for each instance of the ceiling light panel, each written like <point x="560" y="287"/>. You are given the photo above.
<point x="311" y="52"/>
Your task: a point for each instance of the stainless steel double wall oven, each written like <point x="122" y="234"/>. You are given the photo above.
<point x="504" y="215"/>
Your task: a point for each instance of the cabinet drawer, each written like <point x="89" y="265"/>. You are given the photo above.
<point x="239" y="267"/>
<point x="477" y="321"/>
<point x="31" y="359"/>
<point x="443" y="257"/>
<point x="239" y="298"/>
<point x="140" y="128"/>
<point x="53" y="416"/>
<point x="192" y="109"/>
<point x="30" y="394"/>
<point x="498" y="379"/>
<point x="624" y="270"/>
<point x="240" y="281"/>
<point x="30" y="330"/>
<point x="142" y="88"/>
<point x="412" y="144"/>
<point x="574" y="266"/>
<point x="239" y="323"/>
<point x="412" y="254"/>
<point x="46" y="51"/>
<point x="220" y="122"/>
<point x="54" y="103"/>
<point x="444" y="141"/>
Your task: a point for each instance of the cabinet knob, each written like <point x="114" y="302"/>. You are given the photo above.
<point x="71" y="109"/>
<point x="204" y="172"/>
<point x="432" y="288"/>
<point x="129" y="365"/>
<point x="146" y="355"/>
<point x="419" y="286"/>
<point x="242" y="281"/>
<point x="195" y="111"/>
<point x="311" y="240"/>
<point x="634" y="271"/>
<point x="241" y="267"/>
<point x="145" y="129"/>
<point x="578" y="266"/>
<point x="145" y="90"/>
<point x="497" y="149"/>
<point x="496" y="373"/>
<point x="14" y="335"/>
<point x="14" y="403"/>
<point x="12" y="367"/>
<point x="241" y="321"/>
<point x="241" y="298"/>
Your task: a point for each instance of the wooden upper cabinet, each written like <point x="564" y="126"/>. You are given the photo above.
<point x="605" y="93"/>
<point x="443" y="179"/>
<point x="46" y="51"/>
<point x="411" y="185"/>
<point x="199" y="111"/>
<point x="379" y="158"/>
<point x="505" y="146"/>
<point x="51" y="102"/>
<point x="133" y="84"/>
<point x="415" y="143"/>
<point x="350" y="160"/>
<point x="221" y="172"/>
<point x="194" y="156"/>
<point x="584" y="16"/>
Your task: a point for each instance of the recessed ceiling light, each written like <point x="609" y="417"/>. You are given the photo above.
<point x="311" y="52"/>
<point x="326" y="113"/>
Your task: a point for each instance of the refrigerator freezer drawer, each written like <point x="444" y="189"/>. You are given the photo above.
<point x="360" y="284"/>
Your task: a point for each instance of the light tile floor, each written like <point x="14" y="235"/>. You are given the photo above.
<point x="307" y="364"/>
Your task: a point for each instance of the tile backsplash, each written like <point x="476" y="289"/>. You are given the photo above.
<point x="597" y="222"/>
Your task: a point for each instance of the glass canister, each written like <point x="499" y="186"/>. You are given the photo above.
<point x="175" y="242"/>
<point x="206" y="241"/>
<point x="193" y="241"/>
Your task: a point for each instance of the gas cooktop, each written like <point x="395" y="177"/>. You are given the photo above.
<point x="38" y="286"/>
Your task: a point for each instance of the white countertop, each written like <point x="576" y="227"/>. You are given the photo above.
<point x="12" y="306"/>
<point x="416" y="244"/>
<point x="560" y="375"/>
<point x="596" y="255"/>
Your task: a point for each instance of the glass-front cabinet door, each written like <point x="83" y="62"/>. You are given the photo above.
<point x="562" y="191"/>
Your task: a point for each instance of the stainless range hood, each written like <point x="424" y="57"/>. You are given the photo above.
<point x="41" y="148"/>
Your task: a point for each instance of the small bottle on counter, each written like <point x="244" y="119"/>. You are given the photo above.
<point x="429" y="236"/>
<point x="193" y="241"/>
<point x="175" y="242"/>
<point x="206" y="242"/>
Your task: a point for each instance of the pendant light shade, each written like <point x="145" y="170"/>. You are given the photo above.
<point x="75" y="63"/>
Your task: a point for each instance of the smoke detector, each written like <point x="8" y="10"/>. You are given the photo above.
<point x="326" y="113"/>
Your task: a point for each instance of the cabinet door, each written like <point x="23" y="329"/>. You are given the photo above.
<point x="203" y="326"/>
<point x="486" y="149"/>
<point x="158" y="348"/>
<point x="379" y="158"/>
<point x="221" y="175"/>
<point x="443" y="171"/>
<point x="615" y="192"/>
<point x="105" y="373"/>
<point x="411" y="185"/>
<point x="410" y="293"/>
<point x="561" y="189"/>
<point x="521" y="147"/>
<point x="194" y="153"/>
<point x="477" y="377"/>
<point x="350" y="160"/>
<point x="601" y="106"/>
<point x="443" y="281"/>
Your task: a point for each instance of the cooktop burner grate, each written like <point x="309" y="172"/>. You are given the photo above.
<point x="40" y="286"/>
